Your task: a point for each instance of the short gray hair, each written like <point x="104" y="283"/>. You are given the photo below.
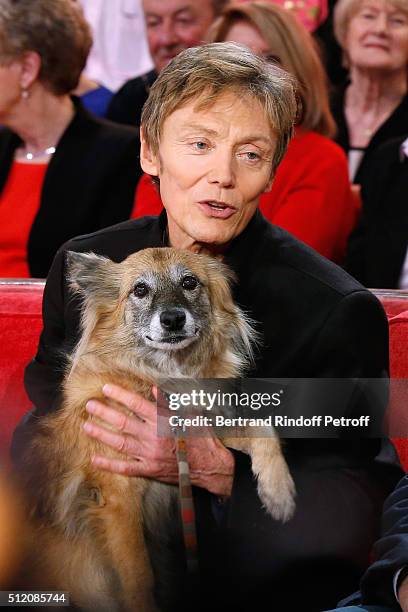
<point x="204" y="73"/>
<point x="56" y="30"/>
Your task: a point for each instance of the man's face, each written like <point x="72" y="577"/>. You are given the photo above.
<point x="175" y="25"/>
<point x="213" y="165"/>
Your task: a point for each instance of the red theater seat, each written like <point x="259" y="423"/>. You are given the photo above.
<point x="21" y="323"/>
<point x="396" y="306"/>
<point x="20" y="327"/>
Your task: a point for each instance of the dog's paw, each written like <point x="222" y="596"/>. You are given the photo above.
<point x="278" y="496"/>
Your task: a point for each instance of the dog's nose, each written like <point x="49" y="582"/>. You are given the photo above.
<point x="173" y="319"/>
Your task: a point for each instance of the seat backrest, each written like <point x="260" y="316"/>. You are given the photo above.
<point x="21" y="324"/>
<point x="395" y="304"/>
<point x="20" y="328"/>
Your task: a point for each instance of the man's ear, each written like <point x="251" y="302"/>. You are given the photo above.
<point x="30" y="69"/>
<point x="148" y="160"/>
<point x="268" y="188"/>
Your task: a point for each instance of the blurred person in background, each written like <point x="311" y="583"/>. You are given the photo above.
<point x="310" y="195"/>
<point x="373" y="105"/>
<point x="62" y="171"/>
<point x="172" y="26"/>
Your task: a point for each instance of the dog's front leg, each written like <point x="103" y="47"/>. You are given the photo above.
<point x="276" y="488"/>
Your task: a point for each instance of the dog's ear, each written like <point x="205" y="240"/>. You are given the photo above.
<point x="93" y="276"/>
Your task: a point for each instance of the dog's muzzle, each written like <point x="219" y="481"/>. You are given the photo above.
<point x="172" y="329"/>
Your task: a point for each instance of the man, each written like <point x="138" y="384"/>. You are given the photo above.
<point x="214" y="129"/>
<point x="172" y="26"/>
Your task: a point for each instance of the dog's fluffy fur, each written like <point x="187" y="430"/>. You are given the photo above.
<point x="88" y="523"/>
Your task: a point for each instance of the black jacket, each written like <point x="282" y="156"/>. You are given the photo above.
<point x="316" y="321"/>
<point x="89" y="184"/>
<point x="393" y="127"/>
<point x="127" y="103"/>
<point x="378" y="246"/>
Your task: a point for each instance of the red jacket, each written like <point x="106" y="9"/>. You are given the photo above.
<point x="310" y="197"/>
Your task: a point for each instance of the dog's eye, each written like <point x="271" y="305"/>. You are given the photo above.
<point x="189" y="282"/>
<point x="141" y="290"/>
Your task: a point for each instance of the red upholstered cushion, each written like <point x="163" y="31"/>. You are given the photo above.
<point x="20" y="327"/>
<point x="399" y="345"/>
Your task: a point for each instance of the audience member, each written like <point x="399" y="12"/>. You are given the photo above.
<point x="171" y="26"/>
<point x="310" y="195"/>
<point x="120" y="49"/>
<point x="373" y="106"/>
<point x="377" y="251"/>
<point x="62" y="171"/>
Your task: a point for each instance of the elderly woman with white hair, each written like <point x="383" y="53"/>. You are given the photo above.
<point x="373" y="106"/>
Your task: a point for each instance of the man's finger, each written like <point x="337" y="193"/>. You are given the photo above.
<point x="119" y="442"/>
<point x="131" y="468"/>
<point x="135" y="402"/>
<point x="120" y="421"/>
<point x="118" y="466"/>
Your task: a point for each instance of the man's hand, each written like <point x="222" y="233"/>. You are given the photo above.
<point x="146" y="455"/>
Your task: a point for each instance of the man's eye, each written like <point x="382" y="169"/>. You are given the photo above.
<point x="141" y="290"/>
<point x="200" y="145"/>
<point x="251" y="156"/>
<point x="189" y="283"/>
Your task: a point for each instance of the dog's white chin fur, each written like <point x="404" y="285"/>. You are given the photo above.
<point x="162" y="345"/>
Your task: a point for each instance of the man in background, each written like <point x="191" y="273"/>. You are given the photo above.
<point x="171" y="26"/>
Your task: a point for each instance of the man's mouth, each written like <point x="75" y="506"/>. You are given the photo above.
<point x="216" y="208"/>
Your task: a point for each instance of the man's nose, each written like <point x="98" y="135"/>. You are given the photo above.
<point x="223" y="170"/>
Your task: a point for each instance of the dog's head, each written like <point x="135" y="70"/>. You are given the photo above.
<point x="160" y="301"/>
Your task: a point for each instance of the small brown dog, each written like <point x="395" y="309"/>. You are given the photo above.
<point x="160" y="313"/>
